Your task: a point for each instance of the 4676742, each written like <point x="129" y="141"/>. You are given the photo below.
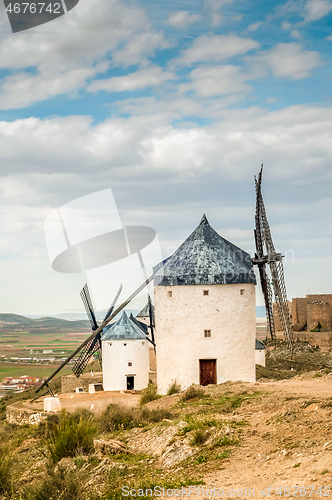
<point x="34" y="8"/>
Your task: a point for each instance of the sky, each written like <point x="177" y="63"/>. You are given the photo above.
<point x="173" y="106"/>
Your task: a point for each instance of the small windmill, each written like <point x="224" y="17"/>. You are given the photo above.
<point x="95" y="332"/>
<point x="267" y="256"/>
<point x="94" y="345"/>
<point x="146" y="327"/>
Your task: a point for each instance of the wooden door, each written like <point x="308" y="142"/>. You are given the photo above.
<point x="130" y="383"/>
<point x="207" y="371"/>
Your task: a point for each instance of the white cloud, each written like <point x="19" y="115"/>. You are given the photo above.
<point x="310" y="10"/>
<point x="213" y="6"/>
<point x="215" y="48"/>
<point x="172" y="171"/>
<point x="286" y="60"/>
<point x="182" y="19"/>
<point x="296" y="34"/>
<point x="297" y="136"/>
<point x="216" y="80"/>
<point x="329" y="38"/>
<point x="141" y="79"/>
<point x="92" y="34"/>
<point x="139" y="47"/>
<point x="23" y="89"/>
<point x="84" y="35"/>
<point x="317" y="9"/>
<point x="254" y="27"/>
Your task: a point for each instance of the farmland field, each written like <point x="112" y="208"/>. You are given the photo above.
<point x="33" y="370"/>
<point x="24" y="344"/>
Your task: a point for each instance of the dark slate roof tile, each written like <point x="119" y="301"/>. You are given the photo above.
<point x="205" y="258"/>
<point x="124" y="329"/>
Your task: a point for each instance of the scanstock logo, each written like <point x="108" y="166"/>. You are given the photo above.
<point x="24" y="15"/>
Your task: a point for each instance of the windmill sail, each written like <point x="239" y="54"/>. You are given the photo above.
<point x="151" y="318"/>
<point x="85" y="295"/>
<point x="273" y="259"/>
<point x="94" y="345"/>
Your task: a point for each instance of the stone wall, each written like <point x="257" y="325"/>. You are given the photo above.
<point x="70" y="382"/>
<point x="298" y="309"/>
<point x="319" y="311"/>
<point x="322" y="339"/>
<point x="21" y="416"/>
<point x="277" y="322"/>
<point x="299" y="313"/>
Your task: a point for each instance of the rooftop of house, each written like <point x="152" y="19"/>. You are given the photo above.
<point x="123" y="329"/>
<point x="205" y="258"/>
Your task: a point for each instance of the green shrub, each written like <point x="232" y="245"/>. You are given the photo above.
<point x="71" y="435"/>
<point x="67" y="485"/>
<point x="116" y="418"/>
<point x="155" y="415"/>
<point x="192" y="392"/>
<point x="174" y="388"/>
<point x="226" y="441"/>
<point x="6" y="463"/>
<point x="199" y="437"/>
<point x="149" y="394"/>
<point x="224" y="454"/>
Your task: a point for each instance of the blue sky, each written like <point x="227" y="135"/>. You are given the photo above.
<point x="173" y="105"/>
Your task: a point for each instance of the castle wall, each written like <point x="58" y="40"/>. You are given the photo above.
<point x="299" y="313"/>
<point x="117" y="354"/>
<point x="321" y="339"/>
<point x="326" y="297"/>
<point x="319" y="311"/>
<point x="277" y="322"/>
<point x="180" y="323"/>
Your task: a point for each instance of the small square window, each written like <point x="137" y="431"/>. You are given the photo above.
<point x="205" y="292"/>
<point x="124" y="344"/>
<point x="207" y="333"/>
<point x="110" y="343"/>
<point x="169" y="294"/>
<point x="130" y="363"/>
<point x="143" y="343"/>
<point x="242" y="291"/>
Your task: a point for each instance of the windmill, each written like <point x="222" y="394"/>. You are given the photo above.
<point x="94" y="345"/>
<point x="151" y="326"/>
<point x="94" y="334"/>
<point x="266" y="255"/>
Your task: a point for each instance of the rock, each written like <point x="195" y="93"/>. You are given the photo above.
<point x="65" y="464"/>
<point x="155" y="440"/>
<point x="312" y="407"/>
<point x="27" y="445"/>
<point x="176" y="453"/>
<point x="112" y="446"/>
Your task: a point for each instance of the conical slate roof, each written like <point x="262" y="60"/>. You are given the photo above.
<point x="124" y="329"/>
<point x="205" y="258"/>
<point x="144" y="313"/>
<point x="140" y="325"/>
<point x="259" y="346"/>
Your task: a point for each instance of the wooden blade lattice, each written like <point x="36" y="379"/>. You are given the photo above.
<point x="94" y="344"/>
<point x="264" y="239"/>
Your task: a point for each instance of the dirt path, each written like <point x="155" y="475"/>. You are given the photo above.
<point x="288" y="443"/>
